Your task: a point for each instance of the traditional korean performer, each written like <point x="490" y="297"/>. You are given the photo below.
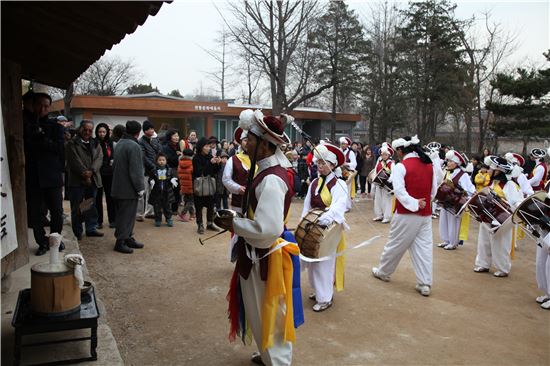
<point x="494" y="246"/>
<point x="455" y="175"/>
<point x="329" y="193"/>
<point x="264" y="294"/>
<point x="517" y="173"/>
<point x="537" y="177"/>
<point x="382" y="196"/>
<point x="415" y="185"/>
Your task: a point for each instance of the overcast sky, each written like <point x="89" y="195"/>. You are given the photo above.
<point x="167" y="48"/>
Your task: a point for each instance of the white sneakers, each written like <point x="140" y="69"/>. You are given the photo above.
<point x="322" y="306"/>
<point x="450" y="246"/>
<point x="542" y="299"/>
<point x="376" y="273"/>
<point x="424" y="290"/>
<point x="479" y="269"/>
<point x="385" y="221"/>
<point x="500" y="274"/>
<point x="377" y="219"/>
<point x="443" y="244"/>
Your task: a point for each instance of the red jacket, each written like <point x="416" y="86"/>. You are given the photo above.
<point x="185" y="175"/>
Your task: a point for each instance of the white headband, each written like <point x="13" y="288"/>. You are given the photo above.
<point x="401" y="142"/>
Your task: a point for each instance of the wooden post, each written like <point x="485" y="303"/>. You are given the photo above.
<point x="13" y="129"/>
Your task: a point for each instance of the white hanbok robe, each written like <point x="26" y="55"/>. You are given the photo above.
<point x="494" y="247"/>
<point x="543" y="263"/>
<point x="449" y="224"/>
<point x="262" y="232"/>
<point x="382" y="198"/>
<point x="321" y="274"/>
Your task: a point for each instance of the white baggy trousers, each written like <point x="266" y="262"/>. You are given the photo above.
<point x="414" y="233"/>
<point x="494" y="248"/>
<point x="321" y="279"/>
<point x="543" y="269"/>
<point x="382" y="203"/>
<point x="449" y="227"/>
<point x="280" y="354"/>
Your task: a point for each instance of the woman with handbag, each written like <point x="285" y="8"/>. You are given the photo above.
<point x="205" y="168"/>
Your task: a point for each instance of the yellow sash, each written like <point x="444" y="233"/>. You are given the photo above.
<point x="464" y="227"/>
<point x="341" y="260"/>
<point x="278" y="284"/>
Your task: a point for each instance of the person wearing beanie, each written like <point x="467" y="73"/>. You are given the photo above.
<point x="150" y="147"/>
<point x="494" y="242"/>
<point x="185" y="175"/>
<point x="330" y="194"/>
<point x="415" y="185"/>
<point x="382" y="196"/>
<point x="455" y="176"/>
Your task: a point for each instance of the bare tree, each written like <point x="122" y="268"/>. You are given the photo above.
<point x="484" y="57"/>
<point x="220" y="75"/>
<point x="271" y="31"/>
<point x="107" y="76"/>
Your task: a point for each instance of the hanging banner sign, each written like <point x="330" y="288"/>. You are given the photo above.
<point x="8" y="235"/>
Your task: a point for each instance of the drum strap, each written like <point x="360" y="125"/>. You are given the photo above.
<point x="326" y="258"/>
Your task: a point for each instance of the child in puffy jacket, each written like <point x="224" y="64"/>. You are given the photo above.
<point x="185" y="175"/>
<point x="482" y="178"/>
<point x="162" y="190"/>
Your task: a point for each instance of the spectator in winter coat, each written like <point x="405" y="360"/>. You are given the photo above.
<point x="185" y="175"/>
<point x="150" y="148"/>
<point x="102" y="135"/>
<point x="44" y="166"/>
<point x="303" y="174"/>
<point x="173" y="153"/>
<point x="205" y="165"/>
<point x="128" y="186"/>
<point x="84" y="160"/>
<point x="220" y="199"/>
<point x="162" y="184"/>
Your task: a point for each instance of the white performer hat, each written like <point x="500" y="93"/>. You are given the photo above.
<point x="269" y="128"/>
<point x="330" y="153"/>
<point x="514" y="158"/>
<point x="501" y="164"/>
<point x="386" y="148"/>
<point x="402" y="142"/>
<point x="345" y="140"/>
<point x="455" y="156"/>
<point x="538" y="153"/>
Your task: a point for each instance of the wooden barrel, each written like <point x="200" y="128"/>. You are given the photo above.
<point x="54" y="290"/>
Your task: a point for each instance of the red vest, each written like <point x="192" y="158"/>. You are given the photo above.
<point x="540" y="186"/>
<point x="418" y="183"/>
<point x="315" y="199"/>
<point x="348" y="151"/>
<point x="457" y="177"/>
<point x="379" y="165"/>
<point x="244" y="264"/>
<point x="240" y="176"/>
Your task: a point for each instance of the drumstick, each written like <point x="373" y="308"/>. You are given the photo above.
<point x="213" y="236"/>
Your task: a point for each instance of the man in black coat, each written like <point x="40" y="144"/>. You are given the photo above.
<point x="150" y="146"/>
<point x="128" y="187"/>
<point x="44" y="166"/>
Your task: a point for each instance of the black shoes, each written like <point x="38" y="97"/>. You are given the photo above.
<point x="121" y="247"/>
<point x="132" y="243"/>
<point x="61" y="247"/>
<point x="94" y="233"/>
<point x="200" y="230"/>
<point x="99" y="226"/>
<point x="41" y="251"/>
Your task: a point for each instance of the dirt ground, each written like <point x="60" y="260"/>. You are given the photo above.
<point x="166" y="304"/>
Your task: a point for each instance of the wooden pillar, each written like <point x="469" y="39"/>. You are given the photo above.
<point x="209" y="130"/>
<point x="13" y="129"/>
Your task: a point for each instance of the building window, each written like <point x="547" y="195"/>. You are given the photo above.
<point x="220" y="129"/>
